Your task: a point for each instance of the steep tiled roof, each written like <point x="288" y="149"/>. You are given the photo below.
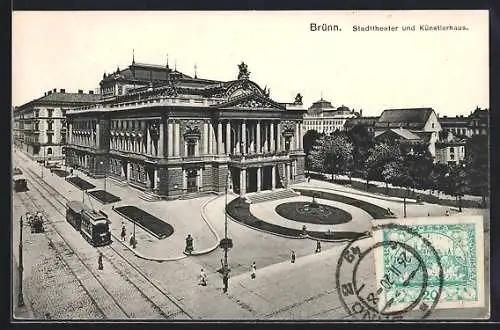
<point x="70" y="97"/>
<point x="407" y="118"/>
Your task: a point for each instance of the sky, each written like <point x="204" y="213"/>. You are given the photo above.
<point x="369" y="70"/>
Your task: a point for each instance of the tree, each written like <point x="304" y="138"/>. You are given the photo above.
<point x="419" y="164"/>
<point x="309" y="139"/>
<point x="362" y="142"/>
<point x="332" y="154"/>
<point x="378" y="158"/>
<point x="477" y="165"/>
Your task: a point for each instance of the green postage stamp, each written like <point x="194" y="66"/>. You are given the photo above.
<point x="437" y="261"/>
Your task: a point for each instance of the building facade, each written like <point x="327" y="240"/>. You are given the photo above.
<point x="422" y="122"/>
<point x="367" y="122"/>
<point x="170" y="134"/>
<point x="458" y="125"/>
<point x="39" y="126"/>
<point x="450" y="149"/>
<point x="477" y="123"/>
<point x="324" y="118"/>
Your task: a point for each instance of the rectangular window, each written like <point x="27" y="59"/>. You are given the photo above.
<point x="191" y="148"/>
<point x="50" y="112"/>
<point x="49" y="138"/>
<point x="49" y="126"/>
<point x="452" y="150"/>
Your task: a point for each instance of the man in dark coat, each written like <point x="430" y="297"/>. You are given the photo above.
<point x="99" y="262"/>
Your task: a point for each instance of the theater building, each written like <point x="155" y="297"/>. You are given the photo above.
<point x="169" y="134"/>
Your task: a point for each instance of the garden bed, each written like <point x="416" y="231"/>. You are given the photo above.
<point x="313" y="213"/>
<point x="156" y="227"/>
<point x="239" y="210"/>
<point x="60" y="173"/>
<point x="104" y="196"/>
<point x="80" y="183"/>
<point x="375" y="211"/>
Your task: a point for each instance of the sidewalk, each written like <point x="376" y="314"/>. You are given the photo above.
<point x="427" y="192"/>
<point x="184" y="216"/>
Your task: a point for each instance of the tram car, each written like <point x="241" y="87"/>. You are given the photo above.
<point x="20" y="183"/>
<point x="92" y="225"/>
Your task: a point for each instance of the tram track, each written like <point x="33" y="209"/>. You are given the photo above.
<point x="159" y="300"/>
<point x="75" y="264"/>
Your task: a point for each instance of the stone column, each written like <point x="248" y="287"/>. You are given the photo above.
<point x="184" y="180"/>
<point x="200" y="179"/>
<point x="220" y="149"/>
<point x="211" y="136"/>
<point x="128" y="171"/>
<point x="265" y="132"/>
<point x="278" y="137"/>
<point x="70" y="133"/>
<point x="155" y="179"/>
<point x="271" y="146"/>
<point x="205" y="138"/>
<point x="160" y="140"/>
<point x="238" y="138"/>
<point x="301" y="133"/>
<point x="148" y="144"/>
<point x="243" y="182"/>
<point x="287" y="173"/>
<point x="244" y="136"/>
<point x="97" y="135"/>
<point x="259" y="177"/>
<point x="297" y="133"/>
<point x="273" y="177"/>
<point x="170" y="145"/>
<point x="258" y="137"/>
<point x="228" y="137"/>
<point x="250" y="137"/>
<point x="177" y="140"/>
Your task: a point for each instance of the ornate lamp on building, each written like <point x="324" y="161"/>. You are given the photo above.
<point x="226" y="243"/>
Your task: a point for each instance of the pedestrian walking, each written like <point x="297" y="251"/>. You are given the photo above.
<point x="99" y="262"/>
<point x="123" y="234"/>
<point x="225" y="281"/>
<point x="189" y="244"/>
<point x="132" y="242"/>
<point x="318" y="247"/>
<point x="203" y="278"/>
<point x="254" y="270"/>
<point x="447" y="213"/>
<point x="293" y="257"/>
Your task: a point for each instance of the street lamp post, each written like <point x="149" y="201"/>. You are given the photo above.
<point x="43" y="164"/>
<point x="105" y="174"/>
<point x="20" y="299"/>
<point x="226" y="243"/>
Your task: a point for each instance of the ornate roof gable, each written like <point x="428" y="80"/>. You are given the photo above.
<point x="250" y="101"/>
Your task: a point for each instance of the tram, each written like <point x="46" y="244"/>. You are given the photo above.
<point x="92" y="225"/>
<point x="20" y="183"/>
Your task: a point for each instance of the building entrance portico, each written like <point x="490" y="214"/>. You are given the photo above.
<point x="257" y="178"/>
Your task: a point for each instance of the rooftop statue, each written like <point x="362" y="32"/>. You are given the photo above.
<point x="298" y="99"/>
<point x="244" y="73"/>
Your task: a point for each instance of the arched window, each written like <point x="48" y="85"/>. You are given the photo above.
<point x="49" y="151"/>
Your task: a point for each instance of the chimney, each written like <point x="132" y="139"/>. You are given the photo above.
<point x="45" y="94"/>
<point x="91" y="92"/>
<point x="49" y="92"/>
<point x="361" y="112"/>
<point x="55" y="90"/>
<point x="62" y="90"/>
<point x="80" y="91"/>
